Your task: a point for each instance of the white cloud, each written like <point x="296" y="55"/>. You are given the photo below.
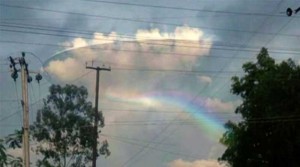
<point x="78" y="42"/>
<point x="149" y="49"/>
<point x="65" y="70"/>
<point x="218" y="105"/>
<point x="180" y="33"/>
<point x="197" y="163"/>
<point x="98" y="38"/>
<point x="205" y="79"/>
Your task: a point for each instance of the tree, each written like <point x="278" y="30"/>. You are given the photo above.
<point x="3" y="155"/>
<point x="12" y="141"/>
<point x="64" y="129"/>
<point x="268" y="134"/>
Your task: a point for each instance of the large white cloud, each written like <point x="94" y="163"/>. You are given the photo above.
<point x="197" y="163"/>
<point x="150" y="49"/>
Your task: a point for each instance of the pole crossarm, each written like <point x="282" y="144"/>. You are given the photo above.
<point x="98" y="68"/>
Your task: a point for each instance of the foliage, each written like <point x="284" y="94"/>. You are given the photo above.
<point x="12" y="141"/>
<point x="3" y="156"/>
<point x="64" y="128"/>
<point x="268" y="134"/>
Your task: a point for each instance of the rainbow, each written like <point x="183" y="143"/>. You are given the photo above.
<point x="185" y="102"/>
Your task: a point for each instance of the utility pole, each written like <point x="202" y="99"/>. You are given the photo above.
<point x="24" y="76"/>
<point x="98" y="69"/>
<point x="25" y="80"/>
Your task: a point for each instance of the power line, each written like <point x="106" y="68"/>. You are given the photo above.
<point x="85" y="15"/>
<point x="116" y="68"/>
<point x="14" y="113"/>
<point x="46" y="28"/>
<point x="149" y="52"/>
<point x="90" y="32"/>
<point x="133" y="139"/>
<point x="4" y="118"/>
<point x="186" y="9"/>
<point x="214" y="47"/>
<point x="8" y="100"/>
<point x="279" y="119"/>
<point x="31" y="43"/>
<point x="172" y="70"/>
<point x="193" y="121"/>
<point x="59" y="18"/>
<point x="153" y="147"/>
<point x="107" y="17"/>
<point x="159" y="111"/>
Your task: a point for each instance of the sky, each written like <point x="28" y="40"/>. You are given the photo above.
<point x="167" y="96"/>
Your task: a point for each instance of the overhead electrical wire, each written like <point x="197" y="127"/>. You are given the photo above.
<point x="134" y="139"/>
<point x="105" y="17"/>
<point x="30" y="43"/>
<point x="215" y="47"/>
<point x="160" y="111"/>
<point x="151" y="42"/>
<point x="149" y="52"/>
<point x="16" y="112"/>
<point x="185" y="9"/>
<point x="163" y="7"/>
<point x="90" y="32"/>
<point x="152" y="147"/>
<point x="193" y="121"/>
<point x="78" y="18"/>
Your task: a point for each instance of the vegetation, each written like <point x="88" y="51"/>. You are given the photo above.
<point x="269" y="133"/>
<point x="64" y="129"/>
<point x="12" y="141"/>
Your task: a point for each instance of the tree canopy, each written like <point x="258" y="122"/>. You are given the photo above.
<point x="12" y="141"/>
<point x="64" y="129"/>
<point x="268" y="134"/>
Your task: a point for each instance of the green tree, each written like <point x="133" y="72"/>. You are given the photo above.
<point x="3" y="155"/>
<point x="12" y="141"/>
<point x="268" y="134"/>
<point x="63" y="128"/>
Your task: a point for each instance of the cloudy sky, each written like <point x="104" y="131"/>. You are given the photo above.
<point x="168" y="93"/>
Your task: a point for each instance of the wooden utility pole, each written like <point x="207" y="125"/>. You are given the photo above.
<point x="24" y="77"/>
<point x="25" y="80"/>
<point x="96" y="120"/>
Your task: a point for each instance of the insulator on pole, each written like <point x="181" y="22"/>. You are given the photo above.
<point x="14" y="75"/>
<point x="38" y="77"/>
<point x="29" y="79"/>
<point x="289" y="12"/>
